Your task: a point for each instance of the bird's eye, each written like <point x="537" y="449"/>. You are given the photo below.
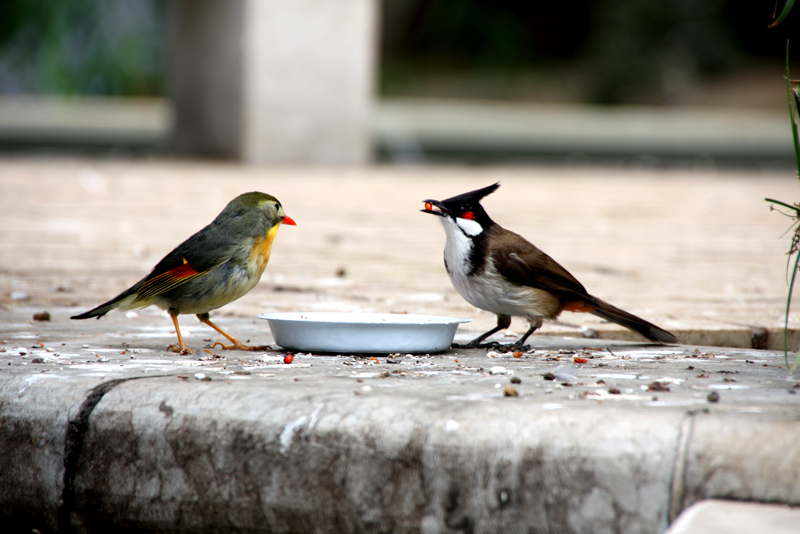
<point x="468" y="215"/>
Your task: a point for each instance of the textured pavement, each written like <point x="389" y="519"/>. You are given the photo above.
<point x="101" y="428"/>
<point x="698" y="252"/>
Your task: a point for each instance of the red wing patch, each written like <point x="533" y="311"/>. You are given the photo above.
<point x="182" y="272"/>
<point x="166" y="281"/>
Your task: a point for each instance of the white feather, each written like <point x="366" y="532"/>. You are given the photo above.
<point x="469" y="226"/>
<point x="488" y="291"/>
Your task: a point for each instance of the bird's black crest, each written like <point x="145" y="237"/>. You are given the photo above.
<point x="473" y="197"/>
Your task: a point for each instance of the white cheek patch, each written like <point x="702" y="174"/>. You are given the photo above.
<point x="469" y="226"/>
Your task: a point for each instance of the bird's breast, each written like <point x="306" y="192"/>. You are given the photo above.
<point x="262" y="248"/>
<point x="490" y="291"/>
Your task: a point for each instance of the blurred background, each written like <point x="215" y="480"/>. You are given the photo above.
<point x="675" y="82"/>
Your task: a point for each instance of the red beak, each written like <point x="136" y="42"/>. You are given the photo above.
<point x="288" y="220"/>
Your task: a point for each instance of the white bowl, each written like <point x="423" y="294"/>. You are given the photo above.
<point x="362" y="332"/>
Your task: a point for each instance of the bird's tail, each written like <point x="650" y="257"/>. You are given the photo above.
<point x="103" y="309"/>
<point x="628" y="320"/>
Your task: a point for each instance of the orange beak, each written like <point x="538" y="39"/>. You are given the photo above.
<point x="288" y="220"/>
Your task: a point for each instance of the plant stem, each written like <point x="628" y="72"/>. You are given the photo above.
<point x="792" y="112"/>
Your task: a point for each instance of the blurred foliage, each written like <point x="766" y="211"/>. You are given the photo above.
<point x="665" y="46"/>
<point x="605" y="51"/>
<point x="793" y="94"/>
<point x="87" y="47"/>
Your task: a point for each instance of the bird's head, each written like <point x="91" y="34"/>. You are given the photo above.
<point x="463" y="211"/>
<point x="256" y="211"/>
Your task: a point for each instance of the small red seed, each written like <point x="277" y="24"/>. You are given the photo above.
<point x="428" y="206"/>
<point x="288" y="358"/>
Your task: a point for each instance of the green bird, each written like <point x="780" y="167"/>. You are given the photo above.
<point x="214" y="267"/>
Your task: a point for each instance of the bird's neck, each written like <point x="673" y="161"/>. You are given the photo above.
<point x="463" y="254"/>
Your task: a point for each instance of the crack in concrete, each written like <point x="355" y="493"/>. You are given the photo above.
<point x="73" y="447"/>
<point x="679" y="469"/>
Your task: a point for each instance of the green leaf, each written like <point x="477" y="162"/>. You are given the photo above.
<point x="786" y="319"/>
<point x="792" y="108"/>
<point x="787" y="7"/>
<point x="785" y="205"/>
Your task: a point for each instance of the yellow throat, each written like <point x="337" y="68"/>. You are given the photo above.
<point x="259" y="255"/>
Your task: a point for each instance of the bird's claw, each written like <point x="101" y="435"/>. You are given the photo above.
<point x="183" y="351"/>
<point x="470" y="345"/>
<point x="512" y="347"/>
<point x="474" y="345"/>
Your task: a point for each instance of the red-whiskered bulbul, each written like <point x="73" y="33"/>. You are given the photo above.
<point x="501" y="272"/>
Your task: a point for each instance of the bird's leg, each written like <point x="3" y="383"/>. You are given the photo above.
<point x="535" y="324"/>
<point x="235" y="343"/>
<point x="181" y="349"/>
<point x="503" y="321"/>
<point x="477" y="342"/>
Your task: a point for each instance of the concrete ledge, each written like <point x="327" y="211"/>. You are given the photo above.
<point x="84" y="121"/>
<point x="258" y="458"/>
<point x="712" y="516"/>
<point x="109" y="433"/>
<point x="411" y="130"/>
<point x="183" y="455"/>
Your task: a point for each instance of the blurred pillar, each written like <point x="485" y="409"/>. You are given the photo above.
<point x="273" y="81"/>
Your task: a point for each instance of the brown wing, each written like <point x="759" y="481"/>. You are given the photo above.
<point x="521" y="262"/>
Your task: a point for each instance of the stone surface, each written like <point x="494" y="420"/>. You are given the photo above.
<point x="412" y="129"/>
<point x="697" y="252"/>
<point x="601" y="436"/>
<point x="713" y="516"/>
<point x="101" y="426"/>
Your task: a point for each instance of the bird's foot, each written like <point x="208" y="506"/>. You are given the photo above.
<point x="238" y="345"/>
<point x="513" y="347"/>
<point x="499" y="347"/>
<point x="474" y="345"/>
<point x="182" y="350"/>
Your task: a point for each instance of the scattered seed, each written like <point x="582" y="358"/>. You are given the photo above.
<point x="658" y="386"/>
<point x="41" y="316"/>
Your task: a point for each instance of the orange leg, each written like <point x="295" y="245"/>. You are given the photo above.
<point x="181" y="349"/>
<point x="235" y="343"/>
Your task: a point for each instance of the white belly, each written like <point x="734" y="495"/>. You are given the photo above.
<point x="493" y="293"/>
<point x="490" y="291"/>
